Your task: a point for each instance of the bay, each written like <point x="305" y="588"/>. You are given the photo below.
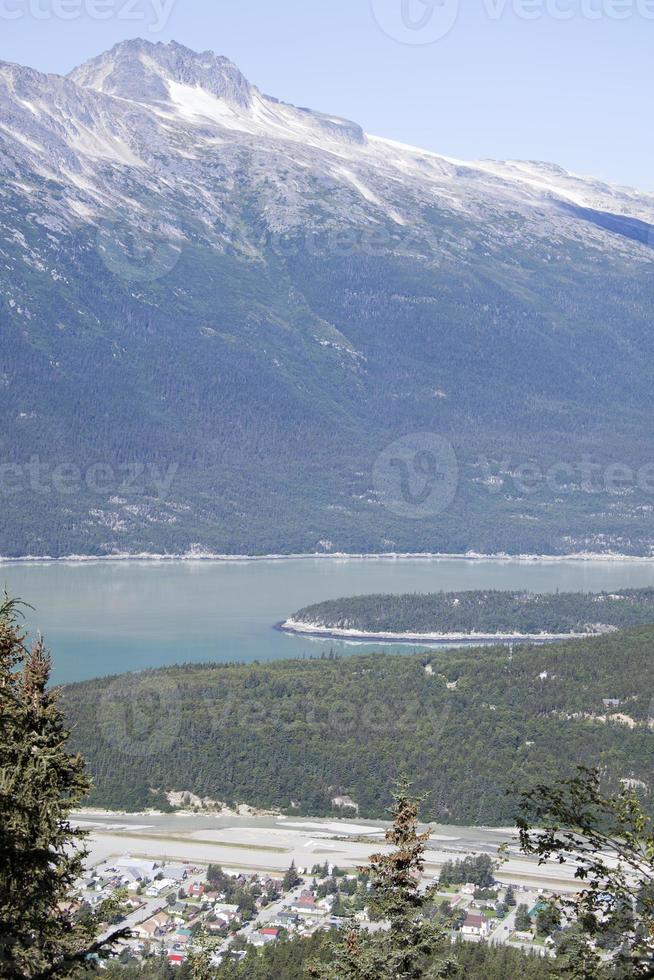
<point x="103" y="618"/>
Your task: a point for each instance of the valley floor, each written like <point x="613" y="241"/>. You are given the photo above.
<point x="269" y="844"/>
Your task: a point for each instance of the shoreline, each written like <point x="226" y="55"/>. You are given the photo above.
<point x="298" y="628"/>
<point x="209" y="557"/>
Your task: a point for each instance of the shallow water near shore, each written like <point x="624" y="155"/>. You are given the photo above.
<point x="106" y="618"/>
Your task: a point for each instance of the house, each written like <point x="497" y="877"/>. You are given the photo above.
<point x="92" y="899"/>
<point x="226" y="911"/>
<point x="611" y="702"/>
<point x="271" y="884"/>
<point x="476" y="925"/>
<point x="219" y="926"/>
<point x="196" y="890"/>
<point x="265" y="936"/>
<point x="157" y="888"/>
<point x="154" y="926"/>
<point x="176" y="959"/>
<point x="182" y="936"/>
<point x="310" y="912"/>
<point x="143" y="870"/>
<point x="177" y="872"/>
<point x="287" y="919"/>
<point x="468" y="889"/>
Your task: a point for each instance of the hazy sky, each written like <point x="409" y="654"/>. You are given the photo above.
<point x="563" y="80"/>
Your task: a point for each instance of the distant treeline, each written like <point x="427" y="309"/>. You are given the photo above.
<point x="485" y="612"/>
<point x="290" y="960"/>
<point x="472" y="728"/>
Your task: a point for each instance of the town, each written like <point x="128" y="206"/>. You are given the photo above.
<point x="176" y="908"/>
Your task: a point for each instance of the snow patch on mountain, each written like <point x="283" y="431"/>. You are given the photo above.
<point x="181" y="131"/>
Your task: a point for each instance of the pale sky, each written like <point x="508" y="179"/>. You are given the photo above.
<point x="567" y="81"/>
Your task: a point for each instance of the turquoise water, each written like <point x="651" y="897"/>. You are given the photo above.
<point x="105" y="618"/>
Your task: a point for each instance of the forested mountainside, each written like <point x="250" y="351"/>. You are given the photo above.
<point x="218" y="312"/>
<point x="490" y="611"/>
<point x="471" y="728"/>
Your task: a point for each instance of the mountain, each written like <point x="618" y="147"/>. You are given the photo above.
<point x="219" y="313"/>
<point x="474" y="729"/>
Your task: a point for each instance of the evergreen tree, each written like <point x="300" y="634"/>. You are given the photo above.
<point x="573" y="822"/>
<point x="509" y="898"/>
<point x="523" y="919"/>
<point x="576" y="959"/>
<point x="414" y="946"/>
<point x="41" y="854"/>
<point x="548" y="921"/>
<point x="291" y="878"/>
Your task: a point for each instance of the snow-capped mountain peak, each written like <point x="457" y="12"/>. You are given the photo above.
<point x="203" y="88"/>
<point x="157" y="120"/>
<point x="256" y="290"/>
<point x="142" y="71"/>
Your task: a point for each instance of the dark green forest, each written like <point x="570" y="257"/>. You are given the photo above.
<point x="267" y="381"/>
<point x="290" y="961"/>
<point x="485" y="612"/>
<point x="472" y="728"/>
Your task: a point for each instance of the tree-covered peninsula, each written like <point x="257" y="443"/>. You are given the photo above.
<point x="480" y="613"/>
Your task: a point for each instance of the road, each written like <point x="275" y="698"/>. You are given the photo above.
<point x="269" y="914"/>
<point x="152" y="906"/>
